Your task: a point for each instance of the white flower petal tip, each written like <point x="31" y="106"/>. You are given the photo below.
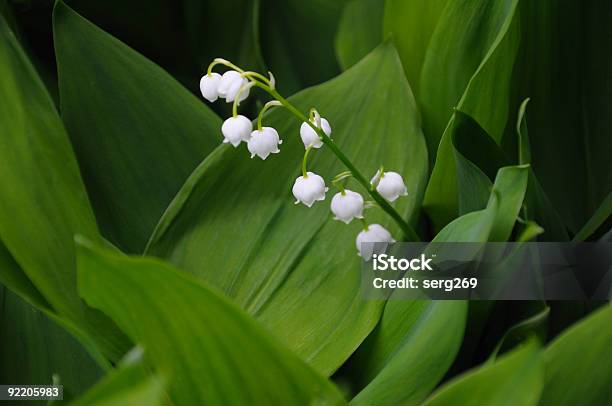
<point x="263" y="143"/>
<point x="309" y="189"/>
<point x="310" y="138"/>
<point x="230" y="84"/>
<point x="374" y="240"/>
<point x="236" y="130"/>
<point x="209" y="86"/>
<point x="347" y="206"/>
<point x="390" y="185"/>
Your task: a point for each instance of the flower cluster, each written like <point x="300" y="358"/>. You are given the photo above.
<point x="234" y="86"/>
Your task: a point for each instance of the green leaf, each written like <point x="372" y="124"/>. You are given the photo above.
<point x="35" y="349"/>
<point x="412" y="23"/>
<point x="514" y="379"/>
<point x="472" y="50"/>
<point x="294" y="268"/>
<point x="43" y="202"/>
<point x="354" y="43"/>
<point x="579" y="363"/>
<point x="485" y="97"/>
<point x="137" y="134"/>
<point x="404" y="337"/>
<point x="407" y="328"/>
<point x="130" y="384"/>
<point x="206" y="342"/>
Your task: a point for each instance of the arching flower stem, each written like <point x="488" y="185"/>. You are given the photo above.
<point x="409" y="233"/>
<point x="265" y="108"/>
<point x="305" y="163"/>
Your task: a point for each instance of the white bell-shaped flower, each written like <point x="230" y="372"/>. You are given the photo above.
<point x="230" y="85"/>
<point x="373" y="240"/>
<point x="263" y="143"/>
<point x="309" y="189"/>
<point x="347" y="205"/>
<point x="310" y="136"/>
<point x="390" y="185"/>
<point x="236" y="129"/>
<point x="209" y="86"/>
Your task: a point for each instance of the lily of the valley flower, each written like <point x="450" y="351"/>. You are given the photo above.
<point x="230" y="85"/>
<point x="209" y="86"/>
<point x="310" y="136"/>
<point x="373" y="240"/>
<point x="347" y="205"/>
<point x="264" y="142"/>
<point x="390" y="185"/>
<point x="236" y="129"/>
<point x="309" y="189"/>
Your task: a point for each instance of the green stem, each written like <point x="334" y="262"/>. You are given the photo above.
<point x="408" y="231"/>
<point x="305" y="162"/>
<point x="220" y="61"/>
<point x="365" y="224"/>
<point x="269" y="104"/>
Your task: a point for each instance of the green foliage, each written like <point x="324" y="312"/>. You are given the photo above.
<point x="131" y="383"/>
<point x="514" y="379"/>
<point x="42" y="199"/>
<point x="268" y="274"/>
<point x="497" y="114"/>
<point x="134" y="117"/>
<point x="204" y="341"/>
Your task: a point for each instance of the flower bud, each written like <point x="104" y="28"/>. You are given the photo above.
<point x="309" y="189"/>
<point x="263" y="143"/>
<point x="373" y="240"/>
<point x="310" y="136"/>
<point x="230" y="85"/>
<point x="390" y="185"/>
<point x="209" y="86"/>
<point x="347" y="205"/>
<point x="236" y="129"/>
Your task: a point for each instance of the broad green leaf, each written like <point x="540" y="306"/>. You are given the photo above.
<point x="514" y="379"/>
<point x="235" y="226"/>
<point x="564" y="69"/>
<point x="412" y="23"/>
<point x="579" y="363"/>
<point x="360" y="30"/>
<point x="407" y="328"/>
<point x="137" y="134"/>
<point x="205" y="341"/>
<point x="130" y="384"/>
<point x="35" y="349"/>
<point x="426" y="336"/>
<point x="297" y="40"/>
<point x="484" y="94"/>
<point x="42" y="199"/>
<point x="474" y="47"/>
